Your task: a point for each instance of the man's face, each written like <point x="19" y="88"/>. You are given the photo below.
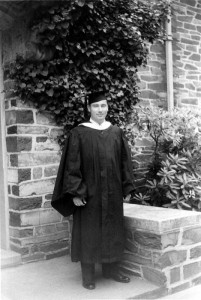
<point x="98" y="111"/>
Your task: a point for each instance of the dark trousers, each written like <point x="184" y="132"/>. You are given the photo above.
<point x="88" y="271"/>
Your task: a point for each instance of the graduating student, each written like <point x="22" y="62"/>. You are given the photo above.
<point x="94" y="176"/>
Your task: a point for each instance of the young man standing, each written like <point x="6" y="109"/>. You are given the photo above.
<point x="94" y="176"/>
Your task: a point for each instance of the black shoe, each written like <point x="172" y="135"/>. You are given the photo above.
<point x="89" y="286"/>
<point x="120" y="278"/>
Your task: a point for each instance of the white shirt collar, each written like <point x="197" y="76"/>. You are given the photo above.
<point x="95" y="125"/>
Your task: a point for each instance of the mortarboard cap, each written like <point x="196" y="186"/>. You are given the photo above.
<point x="97" y="96"/>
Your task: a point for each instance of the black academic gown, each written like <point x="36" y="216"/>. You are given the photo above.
<point x="95" y="165"/>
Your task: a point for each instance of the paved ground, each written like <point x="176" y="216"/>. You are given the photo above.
<point x="59" y="279"/>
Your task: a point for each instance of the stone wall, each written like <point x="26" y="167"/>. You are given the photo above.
<point x="186" y="42"/>
<point x="163" y="246"/>
<point x="36" y="230"/>
<point x="186" y="27"/>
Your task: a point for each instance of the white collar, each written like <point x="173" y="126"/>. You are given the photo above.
<point x="95" y="125"/>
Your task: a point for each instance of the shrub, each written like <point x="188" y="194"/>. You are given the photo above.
<point x="173" y="177"/>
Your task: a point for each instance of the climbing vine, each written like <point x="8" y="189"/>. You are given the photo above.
<point x="95" y="45"/>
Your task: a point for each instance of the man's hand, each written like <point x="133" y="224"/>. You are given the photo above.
<point x="79" y="201"/>
<point x="127" y="198"/>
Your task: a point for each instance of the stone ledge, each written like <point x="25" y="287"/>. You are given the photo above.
<point x="163" y="246"/>
<point x="158" y="219"/>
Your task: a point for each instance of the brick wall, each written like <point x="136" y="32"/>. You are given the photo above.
<point x="36" y="230"/>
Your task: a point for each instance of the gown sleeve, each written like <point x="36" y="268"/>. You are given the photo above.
<point x="69" y="181"/>
<point x="127" y="170"/>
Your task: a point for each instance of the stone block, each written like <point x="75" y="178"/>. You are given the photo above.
<point x="12" y="129"/>
<point x="18" y="143"/>
<point x="43" y="239"/>
<point x="24" y="174"/>
<point x="36" y="187"/>
<point x="27" y="203"/>
<point x="189" y="86"/>
<point x="56" y="132"/>
<point x="147" y="239"/>
<point x="171" y="258"/>
<point x="50" y="171"/>
<point x="189" y="101"/>
<point x="32" y="129"/>
<point x="14" y="219"/>
<point x="137" y="259"/>
<point x="174" y="275"/>
<point x="37" y="173"/>
<point x="12" y="175"/>
<point x="14" y="160"/>
<point x="45" y="119"/>
<point x="154" y="275"/>
<point x="180" y="287"/>
<point x="191" y="236"/>
<point x="21" y="232"/>
<point x="48" y="197"/>
<point x="47" y="204"/>
<point x="195" y="252"/>
<point x="49" y="216"/>
<point x="195" y="57"/>
<point x="189" y="26"/>
<point x="58" y="254"/>
<point x="30" y="218"/>
<point x="169" y="239"/>
<point x="198" y="16"/>
<point x="196" y="280"/>
<point x="148" y="94"/>
<point x="21" y="250"/>
<point x="46" y="229"/>
<point x="19" y="116"/>
<point x="44" y="144"/>
<point x="150" y="78"/>
<point x="53" y="246"/>
<point x="189" y="2"/>
<point x="15" y="190"/>
<point x="35" y="159"/>
<point x="192" y="269"/>
<point x="160" y="86"/>
<point x="33" y="257"/>
<point x="63" y="226"/>
<point x="156" y="48"/>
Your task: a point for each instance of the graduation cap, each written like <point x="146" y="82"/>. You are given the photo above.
<point x="97" y="96"/>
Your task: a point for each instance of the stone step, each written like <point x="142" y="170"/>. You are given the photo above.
<point x="60" y="279"/>
<point x="9" y="258"/>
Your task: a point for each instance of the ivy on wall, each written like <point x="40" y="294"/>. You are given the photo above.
<point x="96" y="45"/>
